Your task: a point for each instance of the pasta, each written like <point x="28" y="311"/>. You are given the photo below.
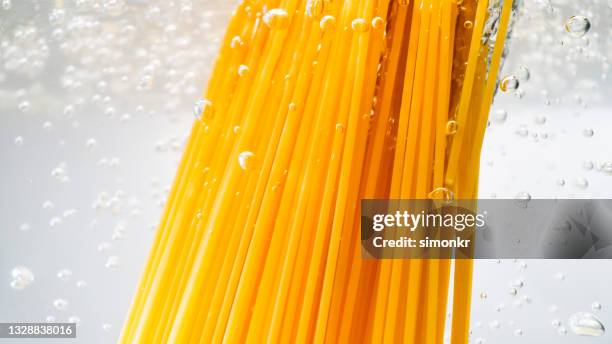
<point x="311" y="107"/>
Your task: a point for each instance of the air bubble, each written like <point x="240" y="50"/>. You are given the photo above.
<point x="451" y="127"/>
<point x="276" y="19"/>
<point x="60" y="304"/>
<point x="327" y="23"/>
<point x="441" y="193"/>
<point x="577" y="26"/>
<point x="509" y="83"/>
<point x="314" y="8"/>
<point x="203" y="109"/>
<point x="246" y="160"/>
<point x="22" y="277"/>
<point x="64" y="274"/>
<point x="359" y="25"/>
<point x="243" y="70"/>
<point x="588" y="132"/>
<point x="596" y="306"/>
<point x="586" y="324"/>
<point x="500" y="116"/>
<point x="112" y="263"/>
<point x="378" y="23"/>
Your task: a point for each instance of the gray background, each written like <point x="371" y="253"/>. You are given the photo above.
<point x="127" y="76"/>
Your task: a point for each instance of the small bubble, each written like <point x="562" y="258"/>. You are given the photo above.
<point x="19" y="141"/>
<point x="327" y="23"/>
<point x="243" y="70"/>
<point x="292" y="106"/>
<point x="483" y="295"/>
<point x="276" y="19"/>
<point x="24" y="106"/>
<point x="588" y="132"/>
<point x="6" y="4"/>
<point x="560" y="181"/>
<point x="540" y="119"/>
<point x="500" y="116"/>
<point x="90" y="143"/>
<point x="64" y="274"/>
<point x="512" y="291"/>
<point x="106" y="327"/>
<point x="577" y="26"/>
<point x="314" y="8"/>
<point x="468" y="24"/>
<point x="22" y="277"/>
<point x="203" y="109"/>
<point x="581" y="183"/>
<point x="246" y="160"/>
<point x="378" y="23"/>
<point x="586" y="324"/>
<point x="562" y="330"/>
<point x="509" y="83"/>
<point x="555" y="322"/>
<point x="75" y="320"/>
<point x="522" y="131"/>
<point x="596" y="306"/>
<point x="359" y="25"/>
<point x="60" y="304"/>
<point x="518" y="332"/>
<point x="451" y="127"/>
<point x="81" y="284"/>
<point x="112" y="262"/>
<point x="523" y="73"/>
<point x="588" y="165"/>
<point x="441" y="193"/>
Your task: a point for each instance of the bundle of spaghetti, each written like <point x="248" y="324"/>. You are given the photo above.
<point x="312" y="106"/>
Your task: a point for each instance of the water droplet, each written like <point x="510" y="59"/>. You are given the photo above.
<point x="22" y="277"/>
<point x="562" y="330"/>
<point x="509" y="83"/>
<point x="81" y="284"/>
<point x="203" y="109"/>
<point x="588" y="132"/>
<point x="64" y="274"/>
<point x="378" y="23"/>
<point x="60" y="304"/>
<point x="451" y="127"/>
<point x="588" y="165"/>
<point x="518" y="332"/>
<point x="276" y="19"/>
<point x="292" y="106"/>
<point x="327" y="23"/>
<point x="577" y="26"/>
<point x="146" y="82"/>
<point x="6" y="4"/>
<point x="19" y="141"/>
<point x="512" y="291"/>
<point x="339" y="127"/>
<point x="314" y="8"/>
<point x="556" y="322"/>
<point x="560" y="181"/>
<point x="359" y="25"/>
<point x="468" y="24"/>
<point x="518" y="283"/>
<point x="483" y="295"/>
<point x="500" y="116"/>
<point x="246" y="160"/>
<point x="586" y="324"/>
<point x="24" y="227"/>
<point x="106" y="327"/>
